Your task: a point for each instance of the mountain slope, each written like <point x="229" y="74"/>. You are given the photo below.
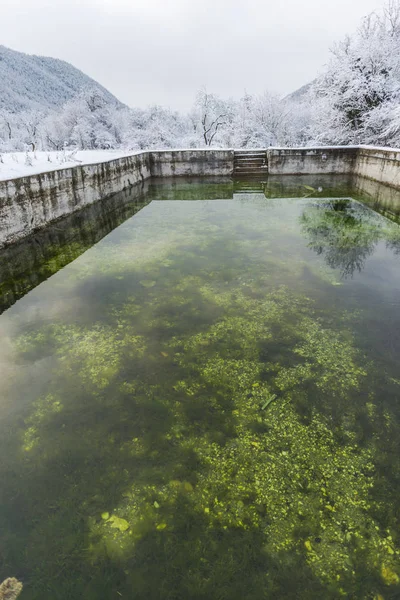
<point x="29" y="82"/>
<point x="301" y="93"/>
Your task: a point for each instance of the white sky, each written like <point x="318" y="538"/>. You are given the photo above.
<point x="162" y="51"/>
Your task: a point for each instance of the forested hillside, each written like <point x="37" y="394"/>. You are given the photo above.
<point x="40" y="83"/>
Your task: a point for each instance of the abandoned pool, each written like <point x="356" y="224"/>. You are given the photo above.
<point x="200" y="396"/>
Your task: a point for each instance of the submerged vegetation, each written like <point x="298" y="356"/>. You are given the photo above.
<point x="211" y="419"/>
<point x="10" y="589"/>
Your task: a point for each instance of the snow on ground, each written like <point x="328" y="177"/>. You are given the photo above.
<point x="22" y="164"/>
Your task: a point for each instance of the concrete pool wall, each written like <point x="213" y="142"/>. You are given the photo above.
<point x="28" y="204"/>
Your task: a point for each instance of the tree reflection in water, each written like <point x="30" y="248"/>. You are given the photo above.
<point x="346" y="233"/>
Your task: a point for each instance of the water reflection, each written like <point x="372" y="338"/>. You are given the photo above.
<point x="339" y="230"/>
<point x="346" y="233"/>
<point x="342" y="232"/>
<point x="24" y="265"/>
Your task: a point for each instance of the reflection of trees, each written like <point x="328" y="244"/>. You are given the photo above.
<point x="26" y="264"/>
<point x="342" y="231"/>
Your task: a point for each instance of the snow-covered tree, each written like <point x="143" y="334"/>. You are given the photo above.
<point x="211" y="118"/>
<point x="267" y="120"/>
<point x="354" y="98"/>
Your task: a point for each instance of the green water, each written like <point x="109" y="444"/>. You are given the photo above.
<point x="200" y="399"/>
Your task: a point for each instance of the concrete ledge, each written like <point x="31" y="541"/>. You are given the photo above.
<point x="378" y="164"/>
<point x="191" y="163"/>
<point x="308" y="161"/>
<point x="30" y="203"/>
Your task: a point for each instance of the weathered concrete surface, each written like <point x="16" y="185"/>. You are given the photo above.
<point x="309" y="161"/>
<point x="30" y="203"/>
<point x="197" y="163"/>
<point x="379" y="164"/>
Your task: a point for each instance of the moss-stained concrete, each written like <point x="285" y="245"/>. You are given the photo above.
<point x="30" y="203"/>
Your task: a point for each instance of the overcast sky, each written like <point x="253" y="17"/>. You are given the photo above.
<point x="162" y="51"/>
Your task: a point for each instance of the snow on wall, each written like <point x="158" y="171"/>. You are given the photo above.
<point x="24" y="164"/>
<point x="30" y="203"/>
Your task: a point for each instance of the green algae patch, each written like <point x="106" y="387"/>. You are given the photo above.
<point x="118" y="523"/>
<point x="389" y="576"/>
<point x="44" y="411"/>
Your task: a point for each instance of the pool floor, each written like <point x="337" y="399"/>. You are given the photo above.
<point x="201" y="399"/>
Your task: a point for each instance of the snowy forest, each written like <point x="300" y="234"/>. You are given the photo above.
<point x="355" y="100"/>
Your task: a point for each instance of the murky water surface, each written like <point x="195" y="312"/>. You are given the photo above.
<point x="204" y="403"/>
